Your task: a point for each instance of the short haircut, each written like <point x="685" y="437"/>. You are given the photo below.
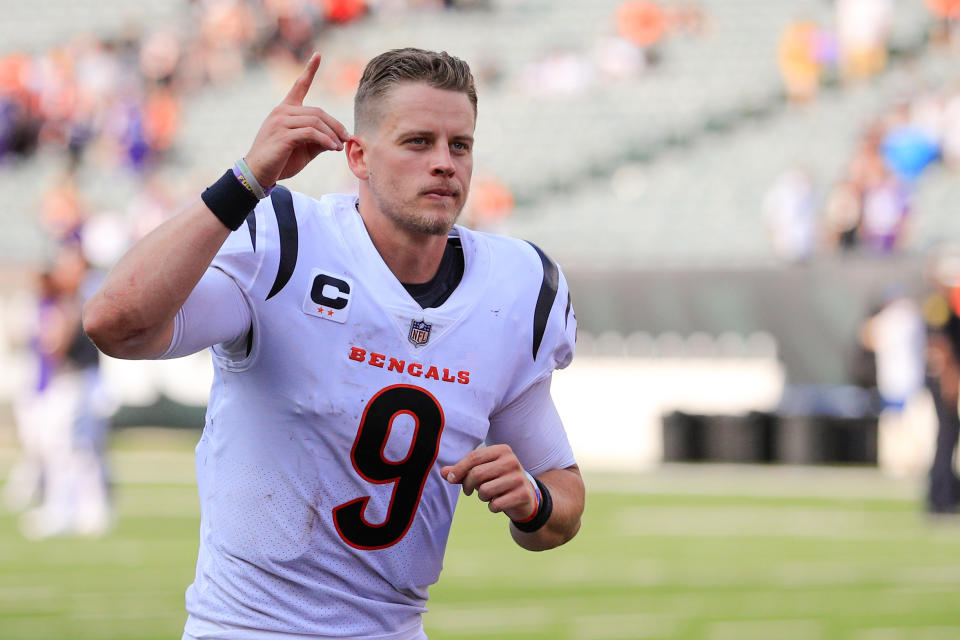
<point x="387" y="70"/>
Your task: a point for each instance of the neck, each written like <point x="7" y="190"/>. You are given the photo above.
<point x="412" y="257"/>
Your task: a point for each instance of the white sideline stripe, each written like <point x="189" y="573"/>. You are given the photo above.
<point x="119" y="615"/>
<point x="908" y="633"/>
<point x="809" y="575"/>
<point x="905" y="584"/>
<point x="759" y="481"/>
<point x="477" y="621"/>
<point x="772" y="521"/>
<point x="135" y="467"/>
<point x="802" y="629"/>
<point x="26" y="593"/>
<point x="942" y="574"/>
<point x="615" y="626"/>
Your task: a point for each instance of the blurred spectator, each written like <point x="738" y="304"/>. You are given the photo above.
<point x="947" y="9"/>
<point x="882" y="199"/>
<point x="895" y="334"/>
<point x="343" y="11"/>
<point x="842" y="216"/>
<point x="291" y="27"/>
<point x="61" y="209"/>
<point x="161" y="116"/>
<point x="886" y="209"/>
<point x="228" y="29"/>
<point x="863" y="28"/>
<point x="641" y="22"/>
<point x="947" y="13"/>
<point x="159" y="57"/>
<point x="942" y="313"/>
<point x="618" y="59"/>
<point x="951" y="131"/>
<point x="798" y="57"/>
<point x="910" y="143"/>
<point x="19" y="120"/>
<point x="62" y="419"/>
<point x="790" y="211"/>
<point x="645" y="24"/>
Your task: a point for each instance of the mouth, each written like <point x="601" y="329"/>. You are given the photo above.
<point x="439" y="193"/>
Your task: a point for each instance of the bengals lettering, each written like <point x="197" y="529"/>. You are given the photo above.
<point x="414" y="369"/>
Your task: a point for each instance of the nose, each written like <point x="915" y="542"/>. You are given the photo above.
<point x="441" y="162"/>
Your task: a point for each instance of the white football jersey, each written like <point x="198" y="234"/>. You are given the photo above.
<point x="323" y="510"/>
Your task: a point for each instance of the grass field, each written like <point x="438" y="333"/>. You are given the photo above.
<point x="713" y="553"/>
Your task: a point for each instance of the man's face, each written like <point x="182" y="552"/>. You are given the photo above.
<point x="420" y="157"/>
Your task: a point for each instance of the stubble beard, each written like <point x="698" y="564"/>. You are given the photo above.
<point x="407" y="216"/>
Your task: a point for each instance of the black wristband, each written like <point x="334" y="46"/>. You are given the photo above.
<point x="543" y="513"/>
<point x="229" y="200"/>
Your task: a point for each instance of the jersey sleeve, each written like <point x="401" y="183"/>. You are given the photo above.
<point x="548" y="321"/>
<point x="533" y="429"/>
<point x="215" y="312"/>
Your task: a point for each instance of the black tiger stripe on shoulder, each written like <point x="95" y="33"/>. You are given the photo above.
<point x="566" y="315"/>
<point x="548" y="293"/>
<point x="252" y="228"/>
<point x="282" y="201"/>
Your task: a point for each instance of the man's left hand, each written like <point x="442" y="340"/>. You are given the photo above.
<point x="498" y="478"/>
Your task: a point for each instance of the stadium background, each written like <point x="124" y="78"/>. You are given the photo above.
<point x="637" y="144"/>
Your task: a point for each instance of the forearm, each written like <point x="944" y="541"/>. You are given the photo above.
<point x="566" y="489"/>
<point x="131" y="316"/>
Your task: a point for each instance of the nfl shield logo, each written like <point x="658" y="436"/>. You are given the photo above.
<point x="419" y="332"/>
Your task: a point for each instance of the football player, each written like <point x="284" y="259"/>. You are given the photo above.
<point x="372" y="357"/>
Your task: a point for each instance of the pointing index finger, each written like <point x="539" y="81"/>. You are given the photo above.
<point x="302" y="85"/>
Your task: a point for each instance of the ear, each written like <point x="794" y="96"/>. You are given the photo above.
<point x="355" y="149"/>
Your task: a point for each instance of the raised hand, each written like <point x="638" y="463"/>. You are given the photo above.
<point x="498" y="478"/>
<point x="294" y="134"/>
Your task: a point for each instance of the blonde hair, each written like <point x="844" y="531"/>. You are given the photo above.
<point x="387" y="70"/>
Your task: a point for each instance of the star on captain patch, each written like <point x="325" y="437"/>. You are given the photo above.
<point x="419" y="332"/>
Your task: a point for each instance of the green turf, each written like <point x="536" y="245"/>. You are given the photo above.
<point x="684" y="559"/>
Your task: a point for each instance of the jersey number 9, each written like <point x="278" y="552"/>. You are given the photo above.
<point x="408" y="475"/>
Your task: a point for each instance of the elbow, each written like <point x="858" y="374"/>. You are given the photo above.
<point x="108" y="329"/>
<point x="98" y="326"/>
<point x="569" y="534"/>
<point x="562" y="536"/>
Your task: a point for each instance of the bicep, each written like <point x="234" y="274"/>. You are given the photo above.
<point x="532" y="427"/>
<point x="215" y="312"/>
